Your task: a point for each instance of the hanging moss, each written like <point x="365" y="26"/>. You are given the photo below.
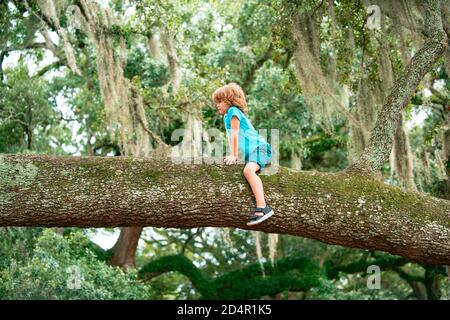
<point x="52" y="9"/>
<point x="259" y="255"/>
<point x="272" y="242"/>
<point x="319" y="86"/>
<point x="124" y="108"/>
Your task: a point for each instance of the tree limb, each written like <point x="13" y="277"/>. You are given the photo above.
<point x="293" y="273"/>
<point x="385" y="263"/>
<point x="47" y="68"/>
<point x="343" y="208"/>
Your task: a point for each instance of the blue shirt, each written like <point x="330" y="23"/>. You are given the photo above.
<point x="248" y="139"/>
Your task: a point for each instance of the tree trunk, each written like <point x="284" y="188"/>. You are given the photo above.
<point x="343" y="208"/>
<point x="402" y="157"/>
<point x="380" y="143"/>
<point x="125" y="247"/>
<point x="419" y="290"/>
<point x="172" y="58"/>
<point x="153" y="47"/>
<point x="432" y="283"/>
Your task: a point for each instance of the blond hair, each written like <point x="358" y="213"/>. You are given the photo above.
<point x="233" y="94"/>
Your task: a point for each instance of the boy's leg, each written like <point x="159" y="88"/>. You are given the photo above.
<point x="255" y="182"/>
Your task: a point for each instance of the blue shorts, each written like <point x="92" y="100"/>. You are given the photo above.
<point x="261" y="156"/>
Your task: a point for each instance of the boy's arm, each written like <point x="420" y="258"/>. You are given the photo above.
<point x="234" y="136"/>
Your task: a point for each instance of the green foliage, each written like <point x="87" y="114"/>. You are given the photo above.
<point x="354" y="288"/>
<point x="54" y="267"/>
<point x="17" y="244"/>
<point x="28" y="120"/>
<point x="294" y="273"/>
<point x="150" y="72"/>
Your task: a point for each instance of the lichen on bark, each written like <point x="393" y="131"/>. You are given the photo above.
<point x="14" y="177"/>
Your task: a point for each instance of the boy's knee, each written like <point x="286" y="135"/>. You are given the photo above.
<point x="248" y="171"/>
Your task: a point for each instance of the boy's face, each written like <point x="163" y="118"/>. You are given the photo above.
<point x="222" y="107"/>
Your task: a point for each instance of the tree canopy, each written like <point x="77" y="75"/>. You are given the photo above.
<point x="92" y="92"/>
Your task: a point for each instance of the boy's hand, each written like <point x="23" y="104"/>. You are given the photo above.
<point x="230" y="159"/>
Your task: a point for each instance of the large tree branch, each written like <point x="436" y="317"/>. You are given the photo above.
<point x="49" y="67"/>
<point x="293" y="273"/>
<point x="385" y="263"/>
<point x="344" y="208"/>
<point x="380" y="143"/>
<point x="27" y="46"/>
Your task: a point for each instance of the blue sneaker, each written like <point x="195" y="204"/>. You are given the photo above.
<point x="255" y="219"/>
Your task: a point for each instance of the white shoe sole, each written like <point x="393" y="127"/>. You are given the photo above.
<point x="265" y="217"/>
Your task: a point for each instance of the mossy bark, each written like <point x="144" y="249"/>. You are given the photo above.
<point x="343" y="208"/>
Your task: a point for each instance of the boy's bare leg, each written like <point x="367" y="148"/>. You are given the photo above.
<point x="255" y="183"/>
